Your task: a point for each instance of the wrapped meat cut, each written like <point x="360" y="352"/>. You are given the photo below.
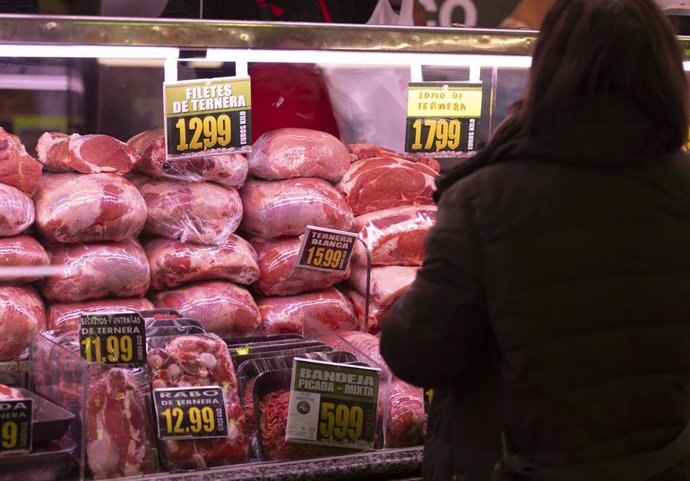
<point x="22" y="315"/>
<point x="368" y="151"/>
<point x="286" y="314"/>
<point x="286" y="207"/>
<point x="67" y="315"/>
<point x="406" y="422"/>
<point x="279" y="274"/>
<point x="73" y="208"/>
<point x="22" y="251"/>
<point x="376" y="312"/>
<point x="174" y="263"/>
<point x="201" y="360"/>
<point x="222" y="307"/>
<point x="107" y="269"/>
<point x="290" y="152"/>
<point x="88" y="154"/>
<point x="387" y="283"/>
<point x="8" y="393"/>
<point x="394" y="236"/>
<point x="202" y="212"/>
<point x="17" y="167"/>
<point x="229" y="170"/>
<point x="17" y="211"/>
<point x="367" y="344"/>
<point x="384" y="182"/>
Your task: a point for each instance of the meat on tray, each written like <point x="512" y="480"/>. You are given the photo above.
<point x="368" y="151"/>
<point x="68" y="315"/>
<point x="17" y="211"/>
<point x="201" y="212"/>
<point x="285" y="207"/>
<point x="174" y="263"/>
<point x="88" y="154"/>
<point x="73" y="208"/>
<point x="292" y="152"/>
<point x="17" y="167"/>
<point x="21" y="251"/>
<point x="22" y="315"/>
<point x="229" y="169"/>
<point x="222" y="308"/>
<point x="386" y="283"/>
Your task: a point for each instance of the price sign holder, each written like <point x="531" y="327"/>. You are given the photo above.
<point x="207" y="116"/>
<point x="326" y="249"/>
<point x="190" y="412"/>
<point x="113" y="338"/>
<point x="16" y="420"/>
<point x="442" y="117"/>
<point x="333" y="404"/>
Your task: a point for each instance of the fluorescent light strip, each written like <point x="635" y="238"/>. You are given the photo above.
<point x="40" y="82"/>
<point x="88" y="51"/>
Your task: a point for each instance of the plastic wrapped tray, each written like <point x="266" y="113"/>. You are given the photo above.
<point x="50" y="421"/>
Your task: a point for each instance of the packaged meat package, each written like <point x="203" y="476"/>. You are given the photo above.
<point x="368" y="151"/>
<point x="229" y="170"/>
<point x="17" y="211"/>
<point x="279" y="274"/>
<point x="386" y="283"/>
<point x="286" y="207"/>
<point x="67" y="315"/>
<point x="394" y="236"/>
<point x="100" y="270"/>
<point x="17" y="168"/>
<point x="286" y="314"/>
<point x="174" y="263"/>
<point x="365" y="343"/>
<point x="202" y="212"/>
<point x="73" y="208"/>
<point x="222" y="308"/>
<point x="199" y="360"/>
<point x="406" y="424"/>
<point x="22" y="251"/>
<point x="22" y="315"/>
<point x="290" y="152"/>
<point x="87" y="154"/>
<point x="8" y="393"/>
<point x="384" y="182"/>
<point x="376" y="311"/>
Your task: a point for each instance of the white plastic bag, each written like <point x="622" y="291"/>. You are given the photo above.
<point x="384" y="14"/>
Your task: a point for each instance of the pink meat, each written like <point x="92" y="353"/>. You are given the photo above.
<point x="88" y="154"/>
<point x="22" y="315"/>
<point x="202" y="212"/>
<point x="394" y="236"/>
<point x="174" y="263"/>
<point x="290" y="152"/>
<point x="17" y="211"/>
<point x="287" y="314"/>
<point x="221" y="307"/>
<point x="67" y="315"/>
<point x="367" y="344"/>
<point x="280" y="276"/>
<point x="73" y="208"/>
<point x="8" y="393"/>
<point x="368" y="151"/>
<point x="229" y="170"/>
<point x="17" y="167"/>
<point x="286" y="207"/>
<point x="94" y="271"/>
<point x="376" y="312"/>
<point x="384" y="182"/>
<point x="406" y="424"/>
<point x="22" y="251"/>
<point x="387" y="283"/>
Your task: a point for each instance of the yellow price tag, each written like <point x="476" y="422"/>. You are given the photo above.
<point x="108" y="349"/>
<point x="9" y="435"/>
<point x="193" y="420"/>
<point x="340" y="421"/>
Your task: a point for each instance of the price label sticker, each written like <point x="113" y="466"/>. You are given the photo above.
<point x="207" y="116"/>
<point x="113" y="338"/>
<point x="16" y="425"/>
<point x="442" y="117"/>
<point x="333" y="404"/>
<point x="190" y="412"/>
<point x="326" y="249"/>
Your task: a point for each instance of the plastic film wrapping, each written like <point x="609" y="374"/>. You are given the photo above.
<point x="387" y="283"/>
<point x="66" y="316"/>
<point x="376" y="312"/>
<point x="17" y="211"/>
<point x="22" y="315"/>
<point x="21" y="251"/>
<point x="17" y="168"/>
<point x="368" y="151"/>
<point x="406" y="417"/>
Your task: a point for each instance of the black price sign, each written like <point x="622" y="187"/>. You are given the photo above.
<point x="191" y="412"/>
<point x="326" y="249"/>
<point x="16" y="425"/>
<point x="113" y="338"/>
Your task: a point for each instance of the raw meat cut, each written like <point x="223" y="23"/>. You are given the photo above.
<point x="67" y="315"/>
<point x="387" y="283"/>
<point x="290" y="152"/>
<point x="222" y="307"/>
<point x="201" y="360"/>
<point x="376" y="312"/>
<point x="119" y="432"/>
<point x="202" y="212"/>
<point x="394" y="236"/>
<point x="367" y="344"/>
<point x="17" y="211"/>
<point x="285" y="207"/>
<point x="174" y="263"/>
<point x="17" y="167"/>
<point x="73" y="208"/>
<point x="287" y="314"/>
<point x="368" y="151"/>
<point x="384" y="182"/>
<point x="279" y="274"/>
<point x="21" y="251"/>
<point x="22" y="315"/>
<point x="106" y="269"/>
<point x="8" y="393"/>
<point x="406" y="423"/>
<point x="88" y="154"/>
